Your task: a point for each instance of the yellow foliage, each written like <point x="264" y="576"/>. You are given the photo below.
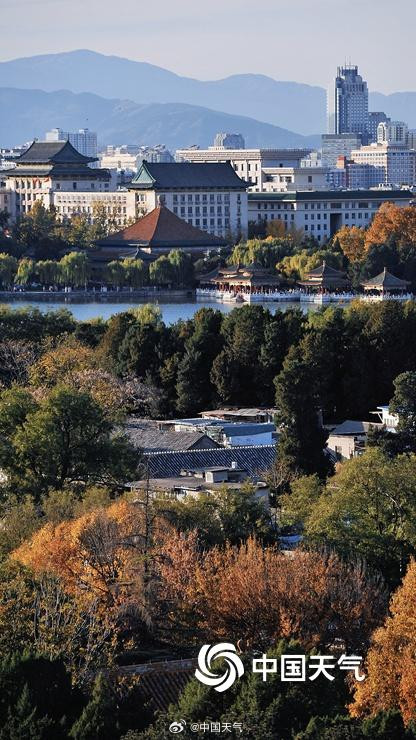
<point x="391" y="662"/>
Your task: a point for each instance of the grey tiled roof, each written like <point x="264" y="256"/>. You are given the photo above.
<point x="189" y="175"/>
<point x="169" y="464"/>
<point x="53" y="151"/>
<point x="146" y="436"/>
<point x="350" y="428"/>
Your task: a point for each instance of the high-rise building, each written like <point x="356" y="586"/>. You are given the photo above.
<point x="84" y="140"/>
<point x="393" y="132"/>
<point x="348" y="103"/>
<point x="229" y="141"/>
<point x="374" y="120"/>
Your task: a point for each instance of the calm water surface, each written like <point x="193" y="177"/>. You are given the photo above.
<point x="172" y="310"/>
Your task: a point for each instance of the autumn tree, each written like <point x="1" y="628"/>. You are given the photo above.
<point x="392" y="221"/>
<point x="390" y="663"/>
<point x="258" y="595"/>
<point x="352" y="242"/>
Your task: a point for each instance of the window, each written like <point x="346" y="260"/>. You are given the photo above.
<point x="189" y="197"/>
<point x="74" y="186"/>
<point x="309" y="178"/>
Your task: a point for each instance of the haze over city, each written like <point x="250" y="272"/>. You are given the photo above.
<point x="286" y="40"/>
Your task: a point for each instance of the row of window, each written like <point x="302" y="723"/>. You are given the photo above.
<point x="37" y="184"/>
<point x="200" y="198"/>
<point x="213" y="223"/>
<point x="89" y="209"/>
<point x="198" y="211"/>
<point x="317" y="206"/>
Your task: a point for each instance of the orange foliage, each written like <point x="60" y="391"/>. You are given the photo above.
<point x="391" y="660"/>
<point x="258" y="595"/>
<point x="352" y="242"/>
<point x="391" y="220"/>
<point x="99" y="554"/>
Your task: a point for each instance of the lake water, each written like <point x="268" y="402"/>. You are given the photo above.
<point x="172" y="310"/>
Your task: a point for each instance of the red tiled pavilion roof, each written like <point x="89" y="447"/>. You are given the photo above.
<point x="162" y="228"/>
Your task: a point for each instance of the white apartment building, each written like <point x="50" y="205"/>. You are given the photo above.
<point x="321" y="214"/>
<point x="283" y="179"/>
<point x="394" y="133"/>
<point x="249" y="164"/>
<point x="209" y="196"/>
<point x="119" y="205"/>
<point x="386" y="164"/>
<point x="83" y="140"/>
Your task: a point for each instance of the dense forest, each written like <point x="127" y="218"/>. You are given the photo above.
<point x="93" y="577"/>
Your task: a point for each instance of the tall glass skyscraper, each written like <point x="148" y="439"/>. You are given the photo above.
<point x="348" y="103"/>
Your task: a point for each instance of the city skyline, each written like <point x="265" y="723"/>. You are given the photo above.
<point x="184" y="32"/>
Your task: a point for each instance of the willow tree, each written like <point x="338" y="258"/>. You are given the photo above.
<point x="75" y="268"/>
<point x="25" y="271"/>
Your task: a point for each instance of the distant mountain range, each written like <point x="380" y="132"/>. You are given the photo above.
<point x="133" y="96"/>
<point x="26" y="114"/>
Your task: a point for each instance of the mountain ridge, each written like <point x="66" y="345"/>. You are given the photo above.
<point x="28" y="114"/>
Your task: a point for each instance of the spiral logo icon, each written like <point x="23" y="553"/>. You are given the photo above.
<point x="176" y="727"/>
<point x="234" y="666"/>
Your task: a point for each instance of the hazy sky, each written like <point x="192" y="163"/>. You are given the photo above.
<point x="302" y="40"/>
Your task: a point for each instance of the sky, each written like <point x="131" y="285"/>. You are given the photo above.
<point x="300" y="40"/>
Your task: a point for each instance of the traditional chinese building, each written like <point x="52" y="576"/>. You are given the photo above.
<point x="210" y="196"/>
<point x="157" y="233"/>
<point x="324" y="279"/>
<point x="240" y="281"/>
<point x="50" y="168"/>
<point x="385" y="284"/>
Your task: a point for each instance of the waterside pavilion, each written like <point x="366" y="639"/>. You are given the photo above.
<point x="386" y="286"/>
<point x="241" y="283"/>
<point x="324" y="279"/>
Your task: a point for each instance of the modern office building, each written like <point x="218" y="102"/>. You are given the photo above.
<point x="386" y="164"/>
<point x="210" y="196"/>
<point x="249" y="164"/>
<point x="83" y="140"/>
<point x="348" y="103"/>
<point x="338" y="145"/>
<point x="322" y="214"/>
